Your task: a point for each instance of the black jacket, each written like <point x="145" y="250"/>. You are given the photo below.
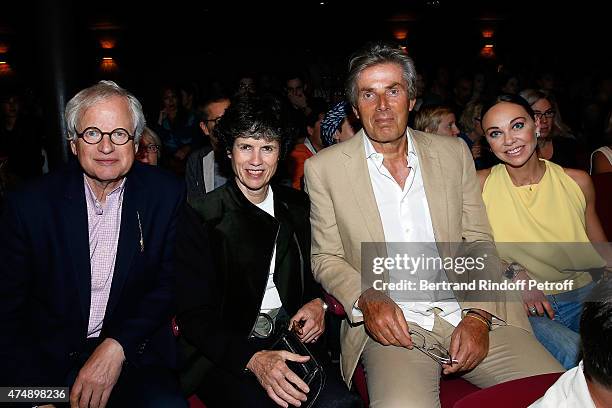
<point x="194" y="175"/>
<point x="224" y="248"/>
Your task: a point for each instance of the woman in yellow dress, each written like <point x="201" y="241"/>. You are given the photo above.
<point x="544" y="223"/>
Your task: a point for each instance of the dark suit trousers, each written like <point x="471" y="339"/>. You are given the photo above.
<point x="146" y="387"/>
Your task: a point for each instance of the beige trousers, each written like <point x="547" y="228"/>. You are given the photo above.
<point x="403" y="378"/>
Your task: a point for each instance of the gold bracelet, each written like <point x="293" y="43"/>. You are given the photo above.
<point x="480" y="319"/>
<point x="474" y="311"/>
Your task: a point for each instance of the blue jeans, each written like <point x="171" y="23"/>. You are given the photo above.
<point x="561" y="336"/>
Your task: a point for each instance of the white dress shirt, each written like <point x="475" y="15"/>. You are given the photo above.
<point x="405" y="217"/>
<point x="271" y="299"/>
<point x="569" y="391"/>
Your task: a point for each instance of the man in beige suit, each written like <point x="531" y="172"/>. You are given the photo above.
<point x="389" y="184"/>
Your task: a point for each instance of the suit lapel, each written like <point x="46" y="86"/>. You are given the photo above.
<point x="77" y="237"/>
<point x="434" y="184"/>
<point x="134" y="222"/>
<point x="285" y="234"/>
<point x="359" y="179"/>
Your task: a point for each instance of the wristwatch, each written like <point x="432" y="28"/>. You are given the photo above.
<point x="512" y="270"/>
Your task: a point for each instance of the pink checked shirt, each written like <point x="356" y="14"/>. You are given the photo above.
<point x="104" y="222"/>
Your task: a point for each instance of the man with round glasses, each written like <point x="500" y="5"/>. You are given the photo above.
<point x="87" y="266"/>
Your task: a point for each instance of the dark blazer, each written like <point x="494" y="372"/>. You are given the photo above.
<point x="45" y="275"/>
<point x="194" y="176"/>
<point x="224" y="249"/>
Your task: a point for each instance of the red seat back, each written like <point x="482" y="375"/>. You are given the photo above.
<point x="512" y="394"/>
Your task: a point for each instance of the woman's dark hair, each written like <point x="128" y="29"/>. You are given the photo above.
<point x="510" y="98"/>
<point x="256" y="117"/>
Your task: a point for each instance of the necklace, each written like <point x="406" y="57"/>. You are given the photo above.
<point x="531" y="181"/>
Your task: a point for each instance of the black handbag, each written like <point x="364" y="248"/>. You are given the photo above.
<point x="311" y="371"/>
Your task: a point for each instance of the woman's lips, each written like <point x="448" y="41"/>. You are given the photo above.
<point x="515" y="151"/>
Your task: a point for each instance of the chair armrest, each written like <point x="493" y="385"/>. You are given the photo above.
<point x="176" y="331"/>
<point x="334" y="306"/>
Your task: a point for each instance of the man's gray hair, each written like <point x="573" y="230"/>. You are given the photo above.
<point x="375" y="54"/>
<point x="88" y="97"/>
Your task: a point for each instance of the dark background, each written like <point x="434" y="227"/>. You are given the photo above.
<point x="204" y="39"/>
<point x="54" y="48"/>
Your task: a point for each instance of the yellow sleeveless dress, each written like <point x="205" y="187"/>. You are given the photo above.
<point x="542" y="226"/>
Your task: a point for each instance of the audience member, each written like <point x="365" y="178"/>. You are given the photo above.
<point x="588" y="385"/>
<point x="533" y="205"/>
<point x="244" y="255"/>
<point x="601" y="158"/>
<point x="204" y="171"/>
<point x="392" y="184"/>
<point x="438" y="93"/>
<point x="177" y="129"/>
<point x="439" y="120"/>
<point x="471" y="133"/>
<point x="339" y="124"/>
<point x="87" y="266"/>
<point x="301" y="103"/>
<point x="462" y="94"/>
<point x="310" y="145"/>
<point x="508" y="83"/>
<point x="149" y="147"/>
<point x="246" y="85"/>
<point x="21" y="154"/>
<point x="556" y="142"/>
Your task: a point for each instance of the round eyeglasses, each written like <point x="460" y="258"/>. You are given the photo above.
<point x="93" y="135"/>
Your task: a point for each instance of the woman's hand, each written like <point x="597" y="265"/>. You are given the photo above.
<point x="282" y="385"/>
<point x="534" y="298"/>
<point x="311" y="318"/>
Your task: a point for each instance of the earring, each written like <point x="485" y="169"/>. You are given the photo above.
<point x="537" y="134"/>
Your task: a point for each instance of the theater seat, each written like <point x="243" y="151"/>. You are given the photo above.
<point x="451" y="389"/>
<point x="603" y="200"/>
<point x="194" y="402"/>
<point x="511" y="394"/>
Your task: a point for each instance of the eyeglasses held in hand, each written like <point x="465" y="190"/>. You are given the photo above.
<point x="93" y="135"/>
<point x="438" y="353"/>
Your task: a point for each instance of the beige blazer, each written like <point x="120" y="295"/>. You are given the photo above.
<point x="344" y="214"/>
